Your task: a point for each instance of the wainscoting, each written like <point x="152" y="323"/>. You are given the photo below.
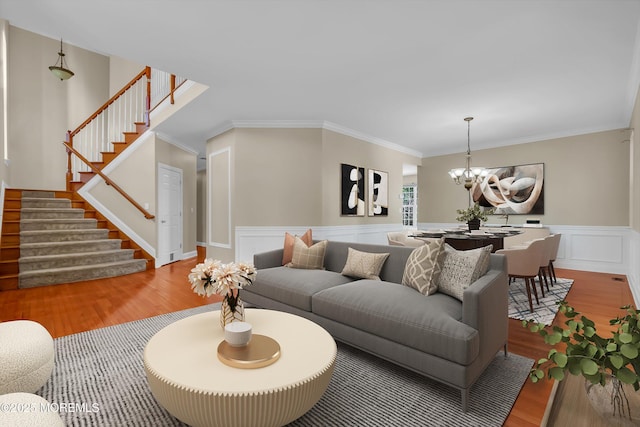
<point x="598" y="249"/>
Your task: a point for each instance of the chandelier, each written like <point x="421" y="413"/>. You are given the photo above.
<point x="61" y="71"/>
<point x="468" y="175"/>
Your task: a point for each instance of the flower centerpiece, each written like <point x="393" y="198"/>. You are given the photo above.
<point x="610" y="365"/>
<point x="215" y="277"/>
<point x="473" y="215"/>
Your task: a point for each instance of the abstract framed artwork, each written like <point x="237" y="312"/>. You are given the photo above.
<point x="352" y="190"/>
<point x="378" y="193"/>
<point x="513" y="190"/>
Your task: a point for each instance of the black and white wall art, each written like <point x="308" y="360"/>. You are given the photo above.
<point x="378" y="193"/>
<point x="352" y="192"/>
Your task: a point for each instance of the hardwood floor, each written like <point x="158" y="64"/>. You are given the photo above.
<point x="77" y="307"/>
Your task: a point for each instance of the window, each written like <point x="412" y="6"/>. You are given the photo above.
<point x="409" y="205"/>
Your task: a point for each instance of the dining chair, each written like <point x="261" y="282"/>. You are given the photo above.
<point x="555" y="238"/>
<point x="524" y="263"/>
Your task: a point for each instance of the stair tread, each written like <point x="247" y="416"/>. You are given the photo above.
<point x="80" y="267"/>
<point x="68" y="243"/>
<point x="71" y="255"/>
<point x="66" y="231"/>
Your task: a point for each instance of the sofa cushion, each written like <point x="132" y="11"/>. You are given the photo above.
<point x="292" y="286"/>
<point x="461" y="268"/>
<point x="289" y="240"/>
<point x="401" y="314"/>
<point x="308" y="257"/>
<point x="423" y="267"/>
<point x="364" y="265"/>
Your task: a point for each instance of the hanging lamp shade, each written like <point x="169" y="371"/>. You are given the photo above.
<point x="59" y="69"/>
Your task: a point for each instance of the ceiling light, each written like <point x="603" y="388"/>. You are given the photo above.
<point x="468" y="175"/>
<point x="61" y="71"/>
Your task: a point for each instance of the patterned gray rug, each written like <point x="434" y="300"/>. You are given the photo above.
<point x="100" y="374"/>
<point x="544" y="312"/>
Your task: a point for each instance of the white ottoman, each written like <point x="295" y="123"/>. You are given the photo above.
<point x="27" y="410"/>
<point x="26" y="356"/>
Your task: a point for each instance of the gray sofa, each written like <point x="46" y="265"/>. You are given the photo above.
<point x="437" y="336"/>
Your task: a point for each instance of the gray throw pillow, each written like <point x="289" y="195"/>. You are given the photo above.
<point x="461" y="268"/>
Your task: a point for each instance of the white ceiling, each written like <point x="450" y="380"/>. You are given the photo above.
<point x="406" y="72"/>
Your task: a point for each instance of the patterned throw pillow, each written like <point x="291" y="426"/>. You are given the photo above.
<point x="461" y="268"/>
<point x="308" y="257"/>
<point x="364" y="265"/>
<point x="289" y="240"/>
<point x="423" y="267"/>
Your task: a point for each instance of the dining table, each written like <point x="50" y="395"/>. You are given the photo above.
<point x="462" y="239"/>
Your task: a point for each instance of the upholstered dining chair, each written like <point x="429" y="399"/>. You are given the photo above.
<point x="555" y="245"/>
<point x="401" y="238"/>
<point x="544" y="274"/>
<point x="524" y="263"/>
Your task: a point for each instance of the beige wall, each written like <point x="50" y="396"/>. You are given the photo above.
<point x="281" y="170"/>
<point x="220" y="196"/>
<point x="290" y="177"/>
<point x="634" y="179"/>
<point x="121" y="71"/>
<point x="337" y="149"/>
<point x="42" y="108"/>
<point x="586" y="179"/>
<point x="201" y="216"/>
<point x="127" y="175"/>
<point x="170" y="155"/>
<point x="141" y="162"/>
<point x="4" y="34"/>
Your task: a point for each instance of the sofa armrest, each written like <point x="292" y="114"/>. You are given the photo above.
<point x="485" y="307"/>
<point x="268" y="259"/>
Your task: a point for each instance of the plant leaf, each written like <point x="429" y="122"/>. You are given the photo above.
<point x="629" y="351"/>
<point x="626" y="376"/>
<point x="556" y="373"/>
<point x="617" y="361"/>
<point x="560" y="359"/>
<point x="625" y="337"/>
<point x="588" y="367"/>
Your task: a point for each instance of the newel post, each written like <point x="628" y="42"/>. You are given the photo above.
<point x="173" y="87"/>
<point x="148" y="106"/>
<point x="69" y="140"/>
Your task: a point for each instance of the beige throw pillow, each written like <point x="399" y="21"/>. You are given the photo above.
<point x="364" y="265"/>
<point x="289" y="240"/>
<point x="423" y="267"/>
<point x="308" y="257"/>
<point x="461" y="268"/>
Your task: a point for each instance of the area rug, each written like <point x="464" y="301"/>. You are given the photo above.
<point x="544" y="312"/>
<point x="100" y="379"/>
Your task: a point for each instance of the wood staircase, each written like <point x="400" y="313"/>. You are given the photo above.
<point x="108" y="156"/>
<point x="71" y="218"/>
<point x="59" y="240"/>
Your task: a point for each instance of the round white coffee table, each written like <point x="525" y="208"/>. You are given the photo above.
<point x="187" y="378"/>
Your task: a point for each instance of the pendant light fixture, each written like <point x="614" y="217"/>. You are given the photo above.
<point x="61" y="71"/>
<point x="468" y="175"/>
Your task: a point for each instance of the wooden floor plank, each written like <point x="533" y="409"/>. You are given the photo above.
<point x="77" y="307"/>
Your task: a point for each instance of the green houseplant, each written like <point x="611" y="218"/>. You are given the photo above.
<point x="611" y="361"/>
<point x="473" y="215"/>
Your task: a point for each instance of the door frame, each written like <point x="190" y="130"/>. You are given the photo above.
<point x="160" y="261"/>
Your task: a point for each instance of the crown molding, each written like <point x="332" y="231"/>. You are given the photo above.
<point x="310" y="124"/>
<point x="174" y="142"/>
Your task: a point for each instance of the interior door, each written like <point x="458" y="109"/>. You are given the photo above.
<point x="169" y="214"/>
